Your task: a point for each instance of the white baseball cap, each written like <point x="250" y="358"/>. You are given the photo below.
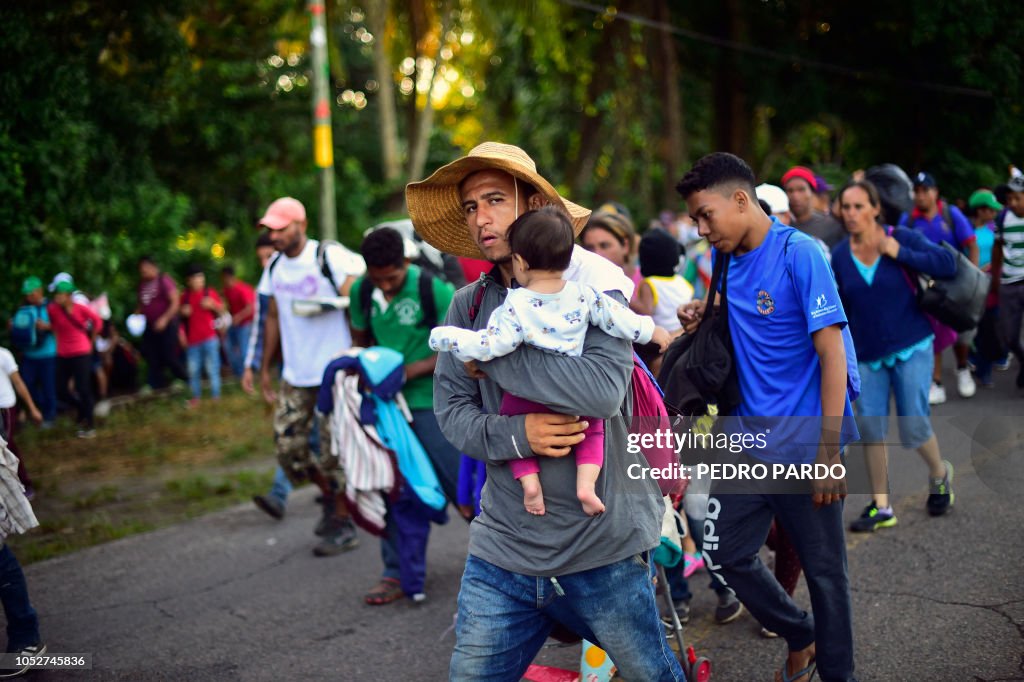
<point x="774" y="196"/>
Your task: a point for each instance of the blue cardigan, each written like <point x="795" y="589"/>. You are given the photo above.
<point x="884" y="317"/>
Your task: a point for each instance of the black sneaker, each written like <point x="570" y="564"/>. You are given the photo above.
<point x="940" y="492"/>
<point x="271" y="505"/>
<point x="682" y="612"/>
<point x="729" y="608"/>
<point x="341" y="537"/>
<point x="872" y="518"/>
<point x="326" y="523"/>
<point x="16" y="670"/>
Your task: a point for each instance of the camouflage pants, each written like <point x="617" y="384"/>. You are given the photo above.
<point x="293" y="421"/>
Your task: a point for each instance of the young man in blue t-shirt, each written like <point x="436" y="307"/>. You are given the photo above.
<point x="787" y="327"/>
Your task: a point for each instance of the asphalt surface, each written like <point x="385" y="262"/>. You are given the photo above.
<point x="238" y="596"/>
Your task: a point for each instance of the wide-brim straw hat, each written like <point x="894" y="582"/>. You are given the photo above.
<point x="435" y="204"/>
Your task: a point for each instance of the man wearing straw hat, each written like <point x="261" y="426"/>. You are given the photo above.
<point x="525" y="573"/>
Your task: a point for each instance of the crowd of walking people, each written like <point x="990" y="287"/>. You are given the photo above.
<point x="463" y="356"/>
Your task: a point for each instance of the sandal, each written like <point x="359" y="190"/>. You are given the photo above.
<point x="799" y="674"/>
<point x="385" y="592"/>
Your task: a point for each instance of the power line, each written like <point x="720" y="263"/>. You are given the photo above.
<point x="772" y="54"/>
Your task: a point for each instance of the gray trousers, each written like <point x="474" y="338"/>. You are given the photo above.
<point x="1011" y="317"/>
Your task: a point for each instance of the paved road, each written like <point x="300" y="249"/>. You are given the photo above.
<point x="236" y="596"/>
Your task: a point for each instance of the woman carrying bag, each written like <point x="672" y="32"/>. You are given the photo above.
<point x="893" y="340"/>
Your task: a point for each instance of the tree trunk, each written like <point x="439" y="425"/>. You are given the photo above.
<point x="732" y="111"/>
<point x="420" y="140"/>
<point x="391" y="162"/>
<point x="581" y="169"/>
<point x="673" y="147"/>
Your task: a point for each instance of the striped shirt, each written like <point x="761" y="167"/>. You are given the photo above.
<point x="1013" y="248"/>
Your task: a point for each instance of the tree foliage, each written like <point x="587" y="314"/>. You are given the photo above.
<point x="166" y="126"/>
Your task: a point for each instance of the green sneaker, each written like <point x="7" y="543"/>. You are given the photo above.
<point x="940" y="492"/>
<point x="873" y="518"/>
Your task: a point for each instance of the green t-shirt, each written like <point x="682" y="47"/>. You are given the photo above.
<point x="396" y="324"/>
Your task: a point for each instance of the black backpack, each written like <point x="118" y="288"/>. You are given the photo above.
<point x="699" y="369"/>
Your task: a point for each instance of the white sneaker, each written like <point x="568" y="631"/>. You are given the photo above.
<point x="965" y="383"/>
<point x="937" y="394"/>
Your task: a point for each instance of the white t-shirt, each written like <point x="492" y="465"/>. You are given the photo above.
<point x="669" y="294"/>
<point x="309" y="343"/>
<point x="596" y="271"/>
<point x="8" y="366"/>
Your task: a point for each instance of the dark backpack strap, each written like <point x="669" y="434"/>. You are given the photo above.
<point x="325" y="268"/>
<point x="273" y="263"/>
<point x="366" y="303"/>
<point x="947" y="217"/>
<point x="1001" y="223"/>
<point x="478" y="297"/>
<point x="719" y="273"/>
<point x="427" y="303"/>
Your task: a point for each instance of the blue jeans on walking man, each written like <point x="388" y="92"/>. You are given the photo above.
<point x="612" y="606"/>
<point x="236" y="342"/>
<point x="40" y="376"/>
<point x="22" y="622"/>
<point x="204" y="356"/>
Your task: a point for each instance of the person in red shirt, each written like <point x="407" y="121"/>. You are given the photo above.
<point x="75" y="327"/>
<point x="200" y="308"/>
<point x="241" y="300"/>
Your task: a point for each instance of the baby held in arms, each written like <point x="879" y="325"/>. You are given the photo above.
<point x="551" y="313"/>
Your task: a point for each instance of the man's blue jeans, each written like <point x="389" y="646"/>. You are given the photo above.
<point x="22" y="622"/>
<point x="205" y="355"/>
<point x="40" y="375"/>
<point x="737" y="526"/>
<point x="505" y="617"/>
<point x="281" y="488"/>
<point x="236" y="342"/>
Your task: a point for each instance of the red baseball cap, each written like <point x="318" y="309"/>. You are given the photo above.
<point x="802" y="172"/>
<point x="282" y="213"/>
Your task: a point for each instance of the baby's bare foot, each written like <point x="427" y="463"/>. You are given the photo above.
<point x="592" y="504"/>
<point x="533" y="496"/>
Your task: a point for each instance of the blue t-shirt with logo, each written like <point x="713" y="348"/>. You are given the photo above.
<point x="778" y="296"/>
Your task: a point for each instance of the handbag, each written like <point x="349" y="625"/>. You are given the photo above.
<point x="959" y="301"/>
<point x="698" y="370"/>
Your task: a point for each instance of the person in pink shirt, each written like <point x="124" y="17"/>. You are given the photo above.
<point x="241" y="300"/>
<point x="200" y="307"/>
<point x="75" y="327"/>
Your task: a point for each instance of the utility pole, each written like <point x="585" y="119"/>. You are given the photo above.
<point x="323" y="146"/>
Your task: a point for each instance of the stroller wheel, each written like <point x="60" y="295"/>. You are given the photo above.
<point x="700" y="671"/>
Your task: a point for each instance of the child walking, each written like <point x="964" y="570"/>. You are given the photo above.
<point x="553" y="314"/>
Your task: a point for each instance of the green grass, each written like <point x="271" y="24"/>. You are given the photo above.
<point x="105" y="494"/>
<point x="152" y="464"/>
<point x="61" y="536"/>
